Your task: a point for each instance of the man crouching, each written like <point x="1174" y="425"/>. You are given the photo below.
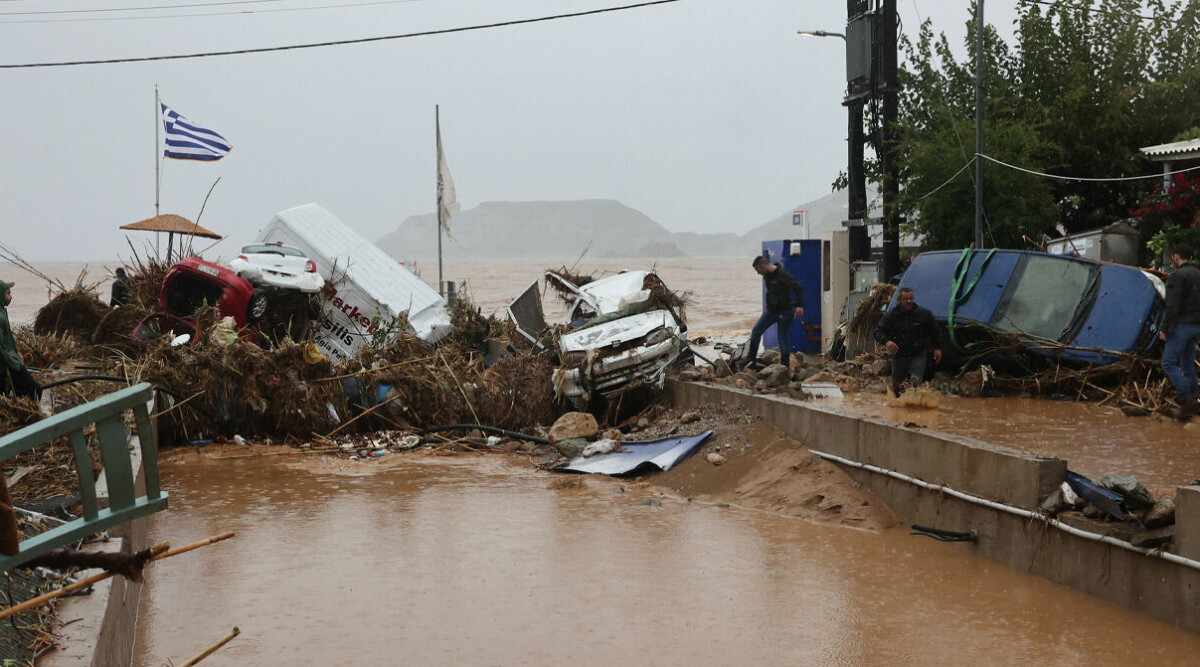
<point x="908" y="332"/>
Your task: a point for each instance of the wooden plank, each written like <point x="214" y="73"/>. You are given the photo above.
<point x="76" y="418"/>
<point x="80" y="528"/>
<point x="87" y="480"/>
<point x="114" y="446"/>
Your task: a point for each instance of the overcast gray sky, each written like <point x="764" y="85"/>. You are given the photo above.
<point x="707" y="115"/>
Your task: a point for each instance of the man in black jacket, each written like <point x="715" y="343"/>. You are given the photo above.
<point x="781" y="308"/>
<point x="1181" y="329"/>
<point x="908" y="332"/>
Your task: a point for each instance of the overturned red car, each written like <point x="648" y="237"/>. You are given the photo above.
<point x="192" y="283"/>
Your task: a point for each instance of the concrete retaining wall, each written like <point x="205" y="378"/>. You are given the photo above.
<point x="1161" y="589"/>
<point x="102" y="627"/>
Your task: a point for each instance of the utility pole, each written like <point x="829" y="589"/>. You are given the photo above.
<point x="979" y="125"/>
<point x="857" y="92"/>
<point x="887" y="143"/>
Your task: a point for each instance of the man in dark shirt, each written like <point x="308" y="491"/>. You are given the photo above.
<point x="120" y="289"/>
<point x="1181" y="329"/>
<point x="784" y="303"/>
<point x="908" y="332"/>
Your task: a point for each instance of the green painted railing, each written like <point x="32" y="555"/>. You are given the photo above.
<point x="124" y="504"/>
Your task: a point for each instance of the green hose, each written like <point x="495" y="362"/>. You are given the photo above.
<point x="960" y="274"/>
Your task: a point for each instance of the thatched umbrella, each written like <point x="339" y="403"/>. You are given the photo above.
<point x="172" y="224"/>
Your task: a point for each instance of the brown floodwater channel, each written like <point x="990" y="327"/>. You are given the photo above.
<point x="1095" y="440"/>
<point x="482" y="560"/>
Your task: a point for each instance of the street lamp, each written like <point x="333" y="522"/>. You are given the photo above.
<point x="860" y="242"/>
<point x="820" y="33"/>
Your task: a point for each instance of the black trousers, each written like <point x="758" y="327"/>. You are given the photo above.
<point x="21" y="383"/>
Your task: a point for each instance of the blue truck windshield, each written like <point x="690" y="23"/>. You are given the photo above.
<point x="1047" y="297"/>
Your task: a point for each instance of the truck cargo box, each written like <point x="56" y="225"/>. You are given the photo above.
<point x="370" y="288"/>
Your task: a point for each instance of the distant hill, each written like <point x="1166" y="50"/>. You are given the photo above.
<point x="604" y="227"/>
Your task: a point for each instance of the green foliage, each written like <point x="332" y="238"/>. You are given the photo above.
<point x="1077" y="95"/>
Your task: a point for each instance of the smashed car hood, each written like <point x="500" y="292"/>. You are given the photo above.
<point x="616" y="332"/>
<point x="663" y="454"/>
<point x="611" y="293"/>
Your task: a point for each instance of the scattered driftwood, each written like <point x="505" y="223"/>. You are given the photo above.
<point x="158" y="552"/>
<point x="127" y="565"/>
<point x="213" y="649"/>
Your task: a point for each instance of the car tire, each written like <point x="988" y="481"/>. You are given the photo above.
<point x="257" y="307"/>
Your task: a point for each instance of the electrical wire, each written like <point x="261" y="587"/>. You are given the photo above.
<point x="1090" y="10"/>
<point x="238" y="12"/>
<point x="1083" y="178"/>
<point x="361" y="40"/>
<point x="134" y="9"/>
<point x="956" y="174"/>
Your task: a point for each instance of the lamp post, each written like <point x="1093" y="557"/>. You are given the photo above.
<point x="860" y="242"/>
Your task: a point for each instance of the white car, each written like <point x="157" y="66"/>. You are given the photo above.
<point x="624" y="331"/>
<point x="278" y="265"/>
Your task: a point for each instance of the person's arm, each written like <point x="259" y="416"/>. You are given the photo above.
<point x="883" y="331"/>
<point x="1174" y="303"/>
<point x="798" y="290"/>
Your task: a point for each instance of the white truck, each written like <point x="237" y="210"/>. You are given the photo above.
<point x="370" y="288"/>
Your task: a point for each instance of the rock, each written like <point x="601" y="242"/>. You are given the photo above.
<point x="722" y="369"/>
<point x="1093" y="512"/>
<point x="971" y="384"/>
<point x="1162" y="514"/>
<point x="612" y="434"/>
<point x="823" y="376"/>
<point x="1134" y="411"/>
<point x="574" y="425"/>
<point x="1054" y="503"/>
<point x="691" y="374"/>
<point x="775" y="375"/>
<point x="879" y="367"/>
<point x="643" y="423"/>
<point x="571" y="447"/>
<point x="715" y="458"/>
<point x="807" y="372"/>
<point x="741" y="383"/>
<point x="1071" y="497"/>
<point x="1137" y="496"/>
<point x="601" y="447"/>
<point x="749" y="376"/>
<point x="689" y="417"/>
<point x="769" y="357"/>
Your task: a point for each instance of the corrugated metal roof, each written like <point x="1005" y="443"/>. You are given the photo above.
<point x="1178" y="150"/>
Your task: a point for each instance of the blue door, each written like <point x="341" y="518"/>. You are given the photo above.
<point x="802" y="259"/>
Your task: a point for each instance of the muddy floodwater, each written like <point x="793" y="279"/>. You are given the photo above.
<point x="1095" y="440"/>
<point x="480" y="561"/>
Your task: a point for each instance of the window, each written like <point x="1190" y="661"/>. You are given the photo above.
<point x="1046" y="297"/>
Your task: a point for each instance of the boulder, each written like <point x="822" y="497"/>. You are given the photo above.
<point x="571" y="447"/>
<point x="1162" y="514"/>
<point x="714" y="458"/>
<point x="769" y="357"/>
<point x="823" y="376"/>
<point x="691" y="374"/>
<point x="1137" y="496"/>
<point x="775" y="375"/>
<point x="574" y="425"/>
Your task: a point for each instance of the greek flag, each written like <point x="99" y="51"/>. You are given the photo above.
<point x="188" y="141"/>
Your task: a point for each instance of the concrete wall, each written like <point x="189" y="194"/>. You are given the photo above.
<point x="1161" y="589"/>
<point x="102" y="627"/>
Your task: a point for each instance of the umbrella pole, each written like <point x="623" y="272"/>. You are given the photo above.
<point x="170" y="243"/>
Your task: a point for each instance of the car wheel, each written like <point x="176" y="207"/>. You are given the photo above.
<point x="257" y="306"/>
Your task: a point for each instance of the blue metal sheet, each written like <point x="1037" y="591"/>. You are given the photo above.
<point x="663" y="453"/>
<point x="805" y="335"/>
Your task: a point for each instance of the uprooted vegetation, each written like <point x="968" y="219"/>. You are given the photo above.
<point x="285" y="389"/>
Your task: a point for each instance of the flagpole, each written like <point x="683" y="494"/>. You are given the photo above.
<point x="157" y="174"/>
<point x="437" y="123"/>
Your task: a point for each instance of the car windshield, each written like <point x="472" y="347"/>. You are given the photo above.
<point x="1046" y="298"/>
<point x="268" y="249"/>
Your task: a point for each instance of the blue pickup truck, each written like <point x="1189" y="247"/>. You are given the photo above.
<point x="1063" y="307"/>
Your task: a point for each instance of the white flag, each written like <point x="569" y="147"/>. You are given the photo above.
<point x="447" y="201"/>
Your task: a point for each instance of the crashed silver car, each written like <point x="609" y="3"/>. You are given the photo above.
<point x="622" y="331"/>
